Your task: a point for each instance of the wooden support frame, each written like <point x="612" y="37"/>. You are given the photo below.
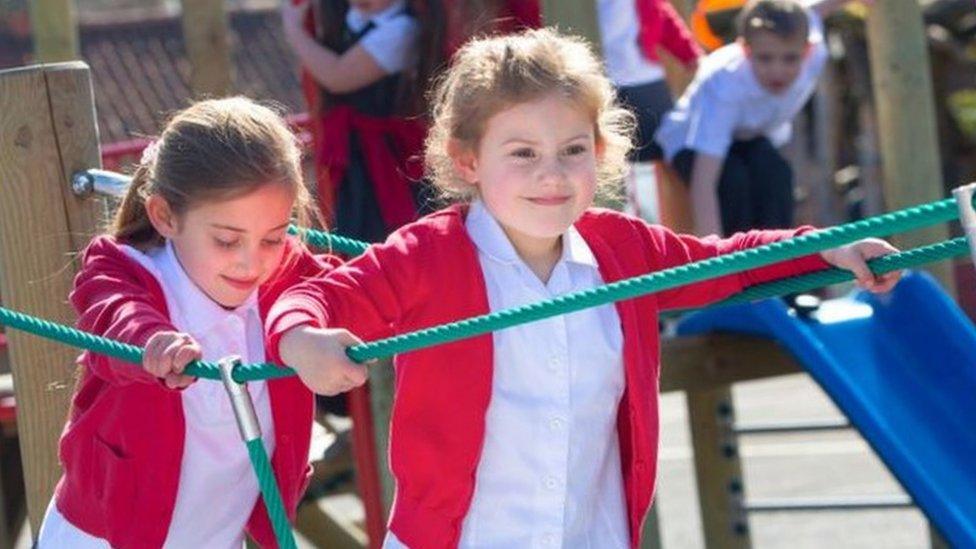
<point x="54" y="30"/>
<point x="206" y="36"/>
<point x="47" y="131"/>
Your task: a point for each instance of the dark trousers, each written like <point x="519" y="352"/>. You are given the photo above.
<point x="755" y="188"/>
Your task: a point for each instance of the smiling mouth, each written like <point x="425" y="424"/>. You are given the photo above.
<point x="241" y="284"/>
<point x="549" y="200"/>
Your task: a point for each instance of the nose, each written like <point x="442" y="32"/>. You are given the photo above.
<point x="248" y="261"/>
<point x="552" y="171"/>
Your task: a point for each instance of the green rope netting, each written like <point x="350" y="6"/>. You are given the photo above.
<point x="269" y="490"/>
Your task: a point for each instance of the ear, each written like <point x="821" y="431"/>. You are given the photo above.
<point x="744" y="45"/>
<point x="465" y="161"/>
<point x="599" y="148"/>
<point x="161" y="216"/>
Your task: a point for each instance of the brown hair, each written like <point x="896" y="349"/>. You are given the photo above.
<point x="784" y="18"/>
<point x="217" y="149"/>
<point x="489" y="75"/>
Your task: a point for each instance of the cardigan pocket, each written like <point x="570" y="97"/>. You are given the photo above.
<point x="113" y="488"/>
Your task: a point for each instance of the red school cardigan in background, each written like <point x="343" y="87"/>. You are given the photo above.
<point x="123" y="444"/>
<point x="661" y="25"/>
<point x="428" y="273"/>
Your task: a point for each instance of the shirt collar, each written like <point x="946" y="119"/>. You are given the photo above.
<point x="491" y="240"/>
<point x="200" y="313"/>
<point x="357" y="19"/>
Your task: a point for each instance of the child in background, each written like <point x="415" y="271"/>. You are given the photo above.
<point x="631" y="33"/>
<point x="722" y="136"/>
<point x="544" y="433"/>
<point x="372" y="60"/>
<point x="197" y="253"/>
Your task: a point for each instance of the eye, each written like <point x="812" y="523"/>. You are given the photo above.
<point x="524" y="152"/>
<point x="574" y="150"/>
<point x="227" y="244"/>
<point x="273" y="242"/>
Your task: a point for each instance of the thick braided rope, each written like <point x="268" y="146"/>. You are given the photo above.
<point x="899" y="221"/>
<point x="957" y="247"/>
<point x="902" y="220"/>
<point x="329" y="241"/>
<point x="269" y="490"/>
<point x="126" y="352"/>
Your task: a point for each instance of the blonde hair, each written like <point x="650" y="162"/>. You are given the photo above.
<point x="216" y="149"/>
<point x="489" y="75"/>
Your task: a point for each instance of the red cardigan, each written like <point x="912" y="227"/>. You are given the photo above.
<point x="123" y="444"/>
<point x="660" y="25"/>
<point x="428" y="273"/>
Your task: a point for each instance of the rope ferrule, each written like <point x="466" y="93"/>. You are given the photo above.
<point x="967" y="213"/>
<point x="240" y="399"/>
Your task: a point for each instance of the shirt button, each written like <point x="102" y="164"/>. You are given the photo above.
<point x="550" y="482"/>
<point x="556" y="423"/>
<point x="549" y="539"/>
<point x="554" y="363"/>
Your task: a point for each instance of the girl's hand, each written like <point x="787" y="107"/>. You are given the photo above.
<point x="854" y="257"/>
<point x="167" y="354"/>
<point x="319" y="358"/>
<point x="293" y="15"/>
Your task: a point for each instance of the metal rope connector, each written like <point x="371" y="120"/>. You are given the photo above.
<point x="102" y="182"/>
<point x="967" y="214"/>
<point x="240" y="399"/>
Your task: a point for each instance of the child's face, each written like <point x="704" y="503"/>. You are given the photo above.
<point x="776" y="61"/>
<point x="230" y="247"/>
<point x="535" y="168"/>
<point x="369" y="7"/>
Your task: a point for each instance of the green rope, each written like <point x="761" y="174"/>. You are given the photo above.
<point x="129" y="353"/>
<point x="932" y="253"/>
<point x="894" y="222"/>
<point x="329" y="241"/>
<point x="272" y="497"/>
<point x="624" y="289"/>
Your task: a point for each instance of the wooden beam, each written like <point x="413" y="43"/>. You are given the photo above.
<point x="906" y="118"/>
<point x="47" y="131"/>
<point x="574" y="16"/>
<point x="208" y="47"/>
<point x="55" y="30"/>
<point x="706" y="362"/>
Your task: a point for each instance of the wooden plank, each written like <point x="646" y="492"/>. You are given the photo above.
<point x="718" y="470"/>
<point x="324" y="525"/>
<point x="208" y="47"/>
<point x="902" y="83"/>
<point x="707" y="362"/>
<point x="54" y="29"/>
<point x="36" y="247"/>
<point x="381" y="385"/>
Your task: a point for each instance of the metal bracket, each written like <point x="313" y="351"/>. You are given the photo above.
<point x="240" y="399"/>
<point x="103" y="182"/>
<point x="967" y="214"/>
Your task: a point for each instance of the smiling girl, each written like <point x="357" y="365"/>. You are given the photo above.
<point x="544" y="433"/>
<point x="196" y="254"/>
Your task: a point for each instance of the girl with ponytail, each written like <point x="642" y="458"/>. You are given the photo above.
<point x="195" y="255"/>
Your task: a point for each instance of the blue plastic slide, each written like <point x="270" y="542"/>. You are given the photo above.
<point x="902" y="367"/>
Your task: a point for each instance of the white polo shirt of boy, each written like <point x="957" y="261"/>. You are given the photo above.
<point x="550" y="473"/>
<point x="394" y="40"/>
<point x="725" y="102"/>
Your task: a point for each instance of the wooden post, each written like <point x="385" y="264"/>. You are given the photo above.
<point x="54" y="29"/>
<point x="574" y="16"/>
<point x="47" y="132"/>
<point x="718" y="470"/>
<point x="208" y="47"/>
<point x="906" y="118"/>
<point x="381" y="385"/>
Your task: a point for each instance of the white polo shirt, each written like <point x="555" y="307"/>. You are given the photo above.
<point x="623" y="57"/>
<point x="725" y="102"/>
<point x="550" y="473"/>
<point x="393" y="42"/>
